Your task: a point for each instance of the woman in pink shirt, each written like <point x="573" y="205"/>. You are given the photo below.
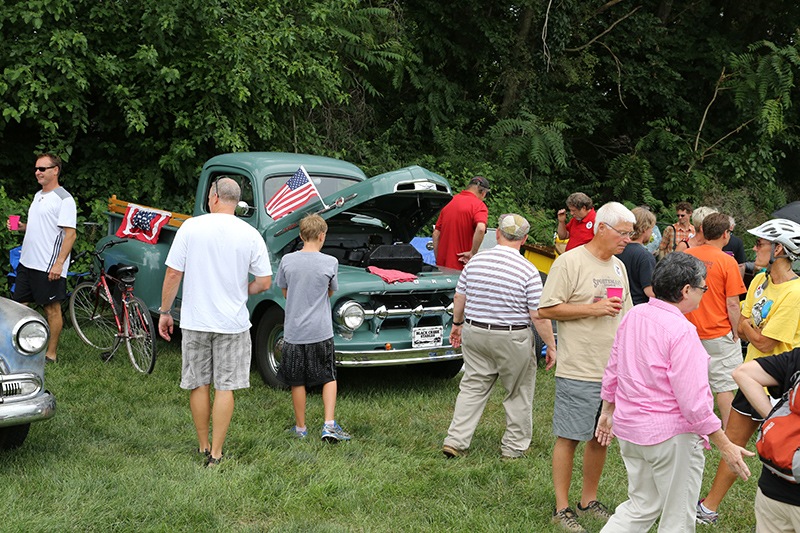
<point x="657" y="400"/>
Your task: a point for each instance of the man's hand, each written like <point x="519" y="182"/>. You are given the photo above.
<point x="55" y="272"/>
<point x="607" y="306"/>
<point x="165" y="324"/>
<point x="550" y="358"/>
<point x="464" y="257"/>
<point x="562" y="216"/>
<point x="455" y="336"/>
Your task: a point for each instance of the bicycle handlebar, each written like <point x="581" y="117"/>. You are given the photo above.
<point x="100" y="251"/>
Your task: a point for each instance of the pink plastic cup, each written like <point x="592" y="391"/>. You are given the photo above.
<point x="13" y="221"/>
<point x="614" y="292"/>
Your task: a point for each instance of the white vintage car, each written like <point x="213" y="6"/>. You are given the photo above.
<point x="23" y="398"/>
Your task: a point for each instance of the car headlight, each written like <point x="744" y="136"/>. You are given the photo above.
<point x="350" y="315"/>
<point x="30" y="337"/>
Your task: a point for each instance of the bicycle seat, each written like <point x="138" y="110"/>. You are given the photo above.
<point x="126" y="273"/>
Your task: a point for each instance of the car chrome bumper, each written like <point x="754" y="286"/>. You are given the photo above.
<point x="35" y="409"/>
<point x="408" y="356"/>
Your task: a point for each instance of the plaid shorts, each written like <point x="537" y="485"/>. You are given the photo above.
<point x="219" y="358"/>
<point x="308" y="364"/>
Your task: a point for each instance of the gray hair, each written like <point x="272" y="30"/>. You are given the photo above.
<point x="700" y="214"/>
<point x="227" y="189"/>
<point x="673" y="273"/>
<point x="612" y="214"/>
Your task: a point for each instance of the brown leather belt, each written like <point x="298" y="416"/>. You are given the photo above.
<point x="496" y="327"/>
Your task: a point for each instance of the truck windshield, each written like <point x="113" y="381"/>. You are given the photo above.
<point x="326" y="185"/>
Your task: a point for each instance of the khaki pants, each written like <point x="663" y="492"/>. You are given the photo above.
<point x="489" y="355"/>
<point x="663" y="479"/>
<point x="773" y="516"/>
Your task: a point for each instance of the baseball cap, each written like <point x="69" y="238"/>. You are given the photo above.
<point x="480" y="180"/>
<point x="513" y="227"/>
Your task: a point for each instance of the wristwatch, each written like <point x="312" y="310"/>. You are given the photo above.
<point x="458" y="323"/>
<point x="160" y="312"/>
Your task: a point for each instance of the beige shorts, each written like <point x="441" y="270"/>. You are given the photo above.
<point x="726" y="355"/>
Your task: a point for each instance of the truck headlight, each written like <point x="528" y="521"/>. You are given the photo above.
<point x="350" y="315"/>
<point x="30" y="337"/>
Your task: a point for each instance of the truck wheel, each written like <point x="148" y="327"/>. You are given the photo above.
<point x="13" y="436"/>
<point x="442" y="369"/>
<point x="268" y="346"/>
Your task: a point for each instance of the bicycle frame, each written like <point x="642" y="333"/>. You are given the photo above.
<point x="110" y="293"/>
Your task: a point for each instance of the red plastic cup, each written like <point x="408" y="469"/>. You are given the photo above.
<point x="13" y="221"/>
<point x="614" y="292"/>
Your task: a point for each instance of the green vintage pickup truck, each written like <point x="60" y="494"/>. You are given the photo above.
<point x="370" y="223"/>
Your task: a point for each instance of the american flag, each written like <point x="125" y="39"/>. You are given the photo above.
<point x="297" y="192"/>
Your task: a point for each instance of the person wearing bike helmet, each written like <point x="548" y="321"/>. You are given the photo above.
<point x="771" y="323"/>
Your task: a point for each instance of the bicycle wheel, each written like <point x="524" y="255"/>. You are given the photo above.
<point x="141" y="336"/>
<point x="93" y="317"/>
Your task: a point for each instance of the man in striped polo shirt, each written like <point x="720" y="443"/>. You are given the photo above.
<point x="496" y="301"/>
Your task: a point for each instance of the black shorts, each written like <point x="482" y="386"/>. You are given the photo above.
<point x="34" y="286"/>
<point x="741" y="405"/>
<point x="308" y="364"/>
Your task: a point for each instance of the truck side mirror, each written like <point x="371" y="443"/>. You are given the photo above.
<point x="244" y="210"/>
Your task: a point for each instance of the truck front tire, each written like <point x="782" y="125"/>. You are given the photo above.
<point x="268" y="346"/>
<point x="13" y="436"/>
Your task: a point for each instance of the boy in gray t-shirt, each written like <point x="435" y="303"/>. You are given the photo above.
<point x="308" y="279"/>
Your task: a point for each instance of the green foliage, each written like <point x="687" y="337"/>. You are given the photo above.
<point x="648" y="103"/>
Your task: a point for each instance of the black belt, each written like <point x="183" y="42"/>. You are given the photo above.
<point x="496" y="327"/>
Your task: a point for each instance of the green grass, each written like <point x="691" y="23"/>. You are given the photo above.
<point x="117" y="457"/>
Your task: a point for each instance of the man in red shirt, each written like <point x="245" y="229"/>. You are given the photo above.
<point x="459" y="232"/>
<point x="580" y="229"/>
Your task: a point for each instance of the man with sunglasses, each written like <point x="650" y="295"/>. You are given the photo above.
<point x="587" y="291"/>
<point x="717" y="317"/>
<point x="49" y="236"/>
<point x="676" y="233"/>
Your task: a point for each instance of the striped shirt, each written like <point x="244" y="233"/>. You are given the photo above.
<point x="501" y="287"/>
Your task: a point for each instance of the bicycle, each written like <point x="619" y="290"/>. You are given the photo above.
<point x="97" y="313"/>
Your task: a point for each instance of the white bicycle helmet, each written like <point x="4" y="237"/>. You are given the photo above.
<point x="783" y="232"/>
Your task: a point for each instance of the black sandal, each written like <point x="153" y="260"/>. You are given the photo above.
<point x="214" y="462"/>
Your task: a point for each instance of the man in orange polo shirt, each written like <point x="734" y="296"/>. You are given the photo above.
<point x="718" y="315"/>
<point x="459" y="231"/>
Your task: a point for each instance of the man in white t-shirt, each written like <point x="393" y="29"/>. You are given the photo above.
<point x="49" y="236"/>
<point x="214" y="254"/>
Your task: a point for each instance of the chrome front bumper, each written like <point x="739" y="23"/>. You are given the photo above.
<point x="35" y="409"/>
<point x="408" y="356"/>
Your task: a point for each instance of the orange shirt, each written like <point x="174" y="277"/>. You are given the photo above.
<point x="723" y="280"/>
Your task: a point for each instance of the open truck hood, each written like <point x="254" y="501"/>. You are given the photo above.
<point x="403" y="200"/>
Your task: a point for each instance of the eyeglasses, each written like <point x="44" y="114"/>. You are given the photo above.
<point x="216" y="187"/>
<point x="683" y="215"/>
<point x="42" y="169"/>
<point x="760" y="243"/>
<point x="704" y="288"/>
<point x="623" y="234"/>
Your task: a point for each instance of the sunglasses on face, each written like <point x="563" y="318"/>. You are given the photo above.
<point x="42" y="169"/>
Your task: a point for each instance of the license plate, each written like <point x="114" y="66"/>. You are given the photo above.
<point x="426" y="336"/>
